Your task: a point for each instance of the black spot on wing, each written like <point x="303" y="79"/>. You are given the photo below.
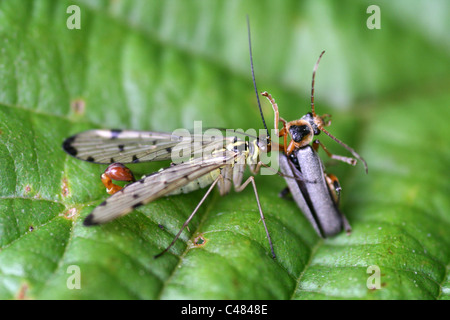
<point x="115" y="133"/>
<point x="68" y="147"/>
<point x="137" y="205"/>
<point x="89" y="221"/>
<point x="121" y="147"/>
<point x="135" y="159"/>
<point x="90" y="159"/>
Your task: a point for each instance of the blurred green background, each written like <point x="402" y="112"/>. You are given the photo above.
<point x="160" y="65"/>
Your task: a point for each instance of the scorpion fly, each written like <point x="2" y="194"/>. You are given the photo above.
<point x="223" y="166"/>
<point x="316" y="193"/>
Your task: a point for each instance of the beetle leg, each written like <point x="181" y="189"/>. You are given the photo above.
<point x="315" y="145"/>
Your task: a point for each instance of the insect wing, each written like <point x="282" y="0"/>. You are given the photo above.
<point x="297" y="189"/>
<point x="130" y="146"/>
<point x="321" y="211"/>
<point x="156" y="185"/>
<point x="109" y="146"/>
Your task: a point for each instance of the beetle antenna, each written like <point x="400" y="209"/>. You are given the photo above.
<point x="353" y="152"/>
<point x="312" y="84"/>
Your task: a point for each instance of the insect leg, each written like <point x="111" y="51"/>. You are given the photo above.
<point x="275" y="109"/>
<point x="334" y="186"/>
<point x="298" y="176"/>
<point x="116" y="171"/>
<point x="351" y="161"/>
<point x="353" y="152"/>
<point x="335" y="189"/>
<point x="220" y="177"/>
<point x="239" y="188"/>
<point x="277" y="118"/>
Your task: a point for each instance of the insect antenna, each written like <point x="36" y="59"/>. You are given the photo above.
<point x="253" y="78"/>
<point x="312" y="84"/>
<point x="353" y="152"/>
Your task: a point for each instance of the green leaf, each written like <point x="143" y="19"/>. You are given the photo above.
<point x="161" y="65"/>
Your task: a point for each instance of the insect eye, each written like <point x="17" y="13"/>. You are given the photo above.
<point x="301" y="133"/>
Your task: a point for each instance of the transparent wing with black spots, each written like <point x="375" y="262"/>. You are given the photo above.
<point x="132" y="146"/>
<point x="168" y="181"/>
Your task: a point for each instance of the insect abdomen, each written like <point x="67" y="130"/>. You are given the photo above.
<point x="196" y="184"/>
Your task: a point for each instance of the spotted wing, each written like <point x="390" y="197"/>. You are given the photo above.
<point x="156" y="185"/>
<point x="131" y="146"/>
